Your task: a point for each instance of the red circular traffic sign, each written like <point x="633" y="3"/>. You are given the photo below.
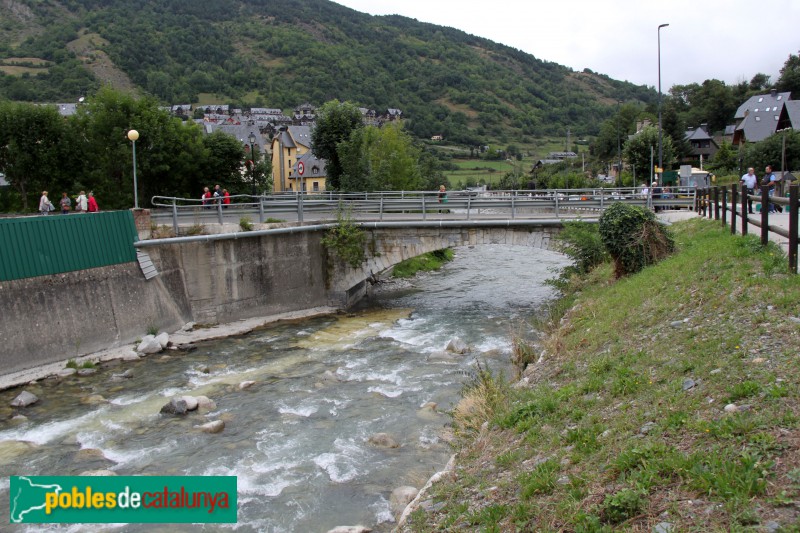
<point x="301" y="168"/>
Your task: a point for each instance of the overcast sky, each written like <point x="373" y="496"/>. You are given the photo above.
<point x="728" y="40"/>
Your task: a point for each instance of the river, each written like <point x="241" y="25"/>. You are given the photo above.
<point x="298" y="438"/>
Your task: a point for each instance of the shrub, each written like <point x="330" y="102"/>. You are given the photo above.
<point x="634" y="238"/>
<point x="582" y="243"/>
<point x="622" y="505"/>
<point x="347" y="240"/>
<point x="246" y="224"/>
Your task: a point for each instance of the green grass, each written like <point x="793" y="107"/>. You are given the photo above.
<point x="422" y="263"/>
<point x="605" y="436"/>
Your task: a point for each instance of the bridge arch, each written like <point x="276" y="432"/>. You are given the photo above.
<point x="388" y="246"/>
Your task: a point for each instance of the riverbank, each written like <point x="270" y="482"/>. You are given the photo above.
<point x="188" y="335"/>
<point x="666" y="401"/>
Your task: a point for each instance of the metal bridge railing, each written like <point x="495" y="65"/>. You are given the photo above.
<point x="412" y="205"/>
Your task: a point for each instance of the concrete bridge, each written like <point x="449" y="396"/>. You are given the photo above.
<point x="226" y="277"/>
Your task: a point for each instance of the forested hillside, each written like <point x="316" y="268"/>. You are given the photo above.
<point x="280" y="53"/>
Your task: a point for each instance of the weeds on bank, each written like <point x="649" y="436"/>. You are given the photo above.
<point x="423" y="263"/>
<point x="624" y="421"/>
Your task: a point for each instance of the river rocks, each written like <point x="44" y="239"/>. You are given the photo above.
<point x="400" y="498"/>
<point x="205" y="403"/>
<point x="191" y="402"/>
<point x="88" y="454"/>
<point x="189" y="326"/>
<point x="149" y="344"/>
<point x="350" y="529"/>
<point x="87" y="371"/>
<point x="212" y="427"/>
<point x="329" y="376"/>
<point x="176" y="406"/>
<point x="130" y="356"/>
<point x="67" y="372"/>
<point x="98" y="473"/>
<point x="163" y="339"/>
<point x="246" y="384"/>
<point x="19" y="419"/>
<point x="383" y="440"/>
<point x="128" y="374"/>
<point x="456" y="345"/>
<point x="24" y="399"/>
<point x="440" y="355"/>
<point x="94" y="399"/>
<point x="9" y="449"/>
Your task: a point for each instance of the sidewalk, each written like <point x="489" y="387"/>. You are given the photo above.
<point x="775" y="219"/>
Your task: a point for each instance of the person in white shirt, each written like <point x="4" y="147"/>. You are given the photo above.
<point x="81" y="202"/>
<point x="750" y="180"/>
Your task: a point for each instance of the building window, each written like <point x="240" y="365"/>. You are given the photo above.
<point x="315" y="170"/>
<point x="316" y="186"/>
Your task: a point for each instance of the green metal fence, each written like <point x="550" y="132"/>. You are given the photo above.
<point x="42" y="245"/>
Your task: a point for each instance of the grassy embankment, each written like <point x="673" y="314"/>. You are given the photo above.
<point x="422" y="263"/>
<point x="668" y="397"/>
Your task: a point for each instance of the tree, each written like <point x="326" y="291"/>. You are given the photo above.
<point x="789" y="79"/>
<point x="726" y="159"/>
<point x="638" y="149"/>
<point x="336" y="121"/>
<point x="224" y="154"/>
<point x="32" y="139"/>
<point x="380" y="159"/>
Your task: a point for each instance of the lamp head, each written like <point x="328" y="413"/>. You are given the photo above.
<point x="252" y="138"/>
<point x="662" y="26"/>
<point x="133" y="135"/>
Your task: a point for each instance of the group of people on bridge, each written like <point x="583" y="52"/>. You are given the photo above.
<point x="83" y="204"/>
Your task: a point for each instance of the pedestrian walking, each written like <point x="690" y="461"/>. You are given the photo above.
<point x="45" y="205"/>
<point x="206" y="197"/>
<point x="93" y="207"/>
<point x="226" y="197"/>
<point x="65" y="203"/>
<point x="750" y="181"/>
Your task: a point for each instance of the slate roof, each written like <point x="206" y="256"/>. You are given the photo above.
<point x="760" y="102"/>
<point x="697" y="134"/>
<point x="301" y="135"/>
<point x="793" y="110"/>
<point x="309" y="162"/>
<point x="240" y="131"/>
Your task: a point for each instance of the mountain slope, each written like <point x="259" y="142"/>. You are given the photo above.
<point x="278" y="53"/>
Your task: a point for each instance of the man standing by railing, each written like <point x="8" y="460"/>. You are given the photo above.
<point x="750" y="181"/>
<point x="769" y="181"/>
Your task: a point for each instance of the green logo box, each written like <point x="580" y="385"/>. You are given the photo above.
<point x="122" y="499"/>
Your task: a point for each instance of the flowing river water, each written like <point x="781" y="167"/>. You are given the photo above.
<point x="298" y="438"/>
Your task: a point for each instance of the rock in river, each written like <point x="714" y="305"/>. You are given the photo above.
<point x="24" y="399"/>
<point x="176" y="406"/>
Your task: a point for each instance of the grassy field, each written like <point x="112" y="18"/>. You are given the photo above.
<point x="669" y="397"/>
<point x="481" y="171"/>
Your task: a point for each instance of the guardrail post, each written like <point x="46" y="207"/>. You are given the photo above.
<point x="724" y="191"/>
<point x="219" y="210"/>
<point x="555" y="196"/>
<point x="261" y="209"/>
<point x="513" y="206"/>
<point x="734" y="200"/>
<point x="602" y="200"/>
<point x="793" y="223"/>
<point x="764" y="215"/>
<point x="424" y="214"/>
<point x="175" y="217"/>
<point x="469" y="203"/>
<point x="381" y="208"/>
<point x="300" y="206"/>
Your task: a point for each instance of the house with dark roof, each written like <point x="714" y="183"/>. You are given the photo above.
<point x="289" y="145"/>
<point x="703" y="145"/>
<point x="309" y="173"/>
<point x="761" y="116"/>
<point x="181" y="110"/>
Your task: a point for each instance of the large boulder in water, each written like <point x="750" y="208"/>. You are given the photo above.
<point x="176" y="406"/>
<point x="456" y="345"/>
<point x="163" y="339"/>
<point x="212" y="427"/>
<point x="149" y="344"/>
<point x="383" y="440"/>
<point x="24" y="399"/>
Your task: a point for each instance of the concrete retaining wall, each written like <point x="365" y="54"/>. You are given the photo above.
<point x="55" y="318"/>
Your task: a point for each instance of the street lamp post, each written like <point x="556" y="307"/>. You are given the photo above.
<point x="660" y="147"/>
<point x="133" y="136"/>
<point x="252" y="139"/>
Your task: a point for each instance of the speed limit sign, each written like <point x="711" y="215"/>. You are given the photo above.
<point x="301" y="168"/>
